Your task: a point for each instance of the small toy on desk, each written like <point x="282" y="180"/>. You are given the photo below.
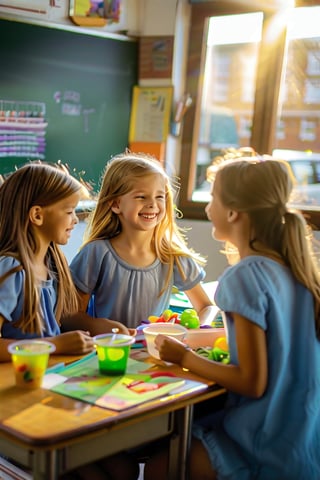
<point x="219" y="352"/>
<point x="189" y="318"/>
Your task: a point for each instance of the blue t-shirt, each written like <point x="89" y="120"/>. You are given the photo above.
<point x="11" y="302"/>
<point x="123" y="292"/>
<point x="278" y="435"/>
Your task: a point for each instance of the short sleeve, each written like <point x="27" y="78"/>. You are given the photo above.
<point x="243" y="289"/>
<point x="11" y="289"/>
<point x="85" y="266"/>
<point x="194" y="274"/>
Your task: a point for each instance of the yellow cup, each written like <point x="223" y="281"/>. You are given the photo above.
<point x="30" y="360"/>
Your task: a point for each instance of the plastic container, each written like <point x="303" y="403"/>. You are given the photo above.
<point x="203" y="337"/>
<point x="30" y="360"/>
<point x="170" y="329"/>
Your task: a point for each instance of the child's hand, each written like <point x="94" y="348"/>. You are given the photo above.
<point x="99" y="326"/>
<point x="76" y="342"/>
<point x="170" y="349"/>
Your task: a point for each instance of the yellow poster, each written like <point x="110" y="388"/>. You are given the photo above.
<point x="150" y="114"/>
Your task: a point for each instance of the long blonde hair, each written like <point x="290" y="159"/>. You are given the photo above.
<point x="119" y="179"/>
<point x="35" y="184"/>
<point x="261" y="187"/>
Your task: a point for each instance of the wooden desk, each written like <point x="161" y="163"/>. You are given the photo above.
<point x="50" y="433"/>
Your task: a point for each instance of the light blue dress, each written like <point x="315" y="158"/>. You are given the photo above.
<point x="11" y="302"/>
<point x="125" y="293"/>
<point x="275" y="437"/>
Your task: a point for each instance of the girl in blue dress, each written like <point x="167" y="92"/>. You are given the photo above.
<point x="134" y="252"/>
<point x="270" y="426"/>
<point x="37" y="296"/>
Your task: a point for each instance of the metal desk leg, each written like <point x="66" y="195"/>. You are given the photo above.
<point x="51" y="465"/>
<point x="46" y="461"/>
<point x="180" y="444"/>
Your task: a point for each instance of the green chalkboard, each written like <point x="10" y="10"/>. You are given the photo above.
<point x="80" y="84"/>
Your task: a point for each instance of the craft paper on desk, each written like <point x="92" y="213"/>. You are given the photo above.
<point x="83" y="381"/>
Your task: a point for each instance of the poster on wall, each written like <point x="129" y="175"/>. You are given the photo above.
<point x="156" y="57"/>
<point x="150" y="114"/>
<point x="95" y="13"/>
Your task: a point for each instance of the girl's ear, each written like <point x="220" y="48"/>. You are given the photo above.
<point x="115" y="206"/>
<point x="232" y="216"/>
<point x="36" y="215"/>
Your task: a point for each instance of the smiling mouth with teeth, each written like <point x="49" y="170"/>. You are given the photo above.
<point x="148" y="217"/>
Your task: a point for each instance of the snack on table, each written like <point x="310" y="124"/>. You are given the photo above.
<point x="188" y="318"/>
<point x="167" y="316"/>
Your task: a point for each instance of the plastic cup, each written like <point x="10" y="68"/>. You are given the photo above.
<point x="113" y="352"/>
<point x="30" y="360"/>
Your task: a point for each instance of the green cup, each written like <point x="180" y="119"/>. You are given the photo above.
<point x="113" y="352"/>
<point x="30" y="360"/>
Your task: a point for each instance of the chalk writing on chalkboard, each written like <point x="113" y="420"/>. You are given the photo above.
<point x="70" y="105"/>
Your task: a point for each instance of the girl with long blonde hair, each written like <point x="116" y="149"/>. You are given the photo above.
<point x="270" y="426"/>
<point x="37" y="295"/>
<point x="134" y="252"/>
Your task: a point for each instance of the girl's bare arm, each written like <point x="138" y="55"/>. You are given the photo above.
<point x="202" y="304"/>
<point x="248" y="378"/>
<point x="83" y="300"/>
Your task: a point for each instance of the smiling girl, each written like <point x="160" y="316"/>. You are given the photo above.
<point x="134" y="251"/>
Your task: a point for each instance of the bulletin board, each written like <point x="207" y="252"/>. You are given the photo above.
<point x="150" y="114"/>
<point x="156" y="57"/>
<point x="77" y="86"/>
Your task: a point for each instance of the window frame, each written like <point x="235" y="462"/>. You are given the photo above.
<point x="268" y="79"/>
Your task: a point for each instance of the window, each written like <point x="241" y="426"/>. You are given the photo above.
<point x="228" y="90"/>
<point x="236" y="88"/>
<point x="299" y="102"/>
